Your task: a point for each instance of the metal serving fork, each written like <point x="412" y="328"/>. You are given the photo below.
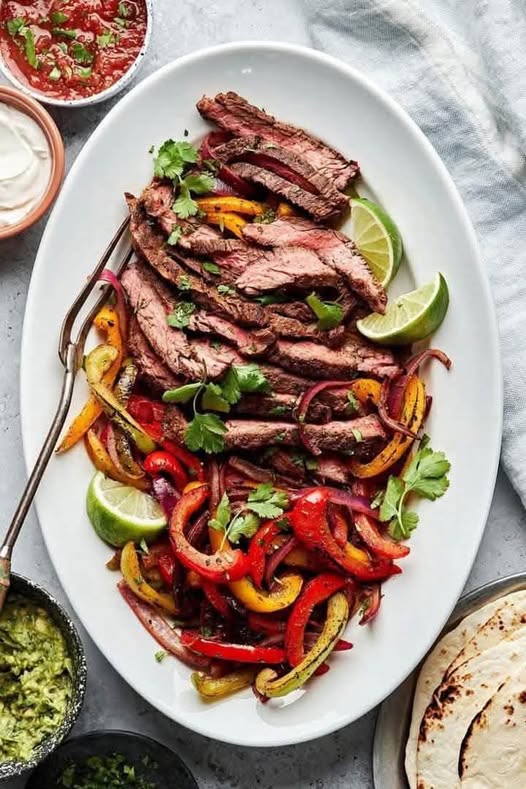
<point x="70" y="353"/>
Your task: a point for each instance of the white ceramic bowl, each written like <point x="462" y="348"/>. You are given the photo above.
<point x="402" y="172"/>
<point x="113" y="90"/>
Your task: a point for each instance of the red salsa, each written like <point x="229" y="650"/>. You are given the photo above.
<point x="70" y="49"/>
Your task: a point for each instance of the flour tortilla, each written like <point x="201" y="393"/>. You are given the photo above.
<point x="493" y="753"/>
<point x="509" y="617"/>
<point x="436" y="666"/>
<point x="432" y="673"/>
<point x="460" y="697"/>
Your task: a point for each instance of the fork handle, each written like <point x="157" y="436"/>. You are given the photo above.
<point x="35" y="477"/>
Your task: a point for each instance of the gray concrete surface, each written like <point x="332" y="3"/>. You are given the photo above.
<point x="338" y="761"/>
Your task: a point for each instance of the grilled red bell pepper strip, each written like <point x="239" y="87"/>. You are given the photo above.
<point x="216" y="598"/>
<point x="314" y="592"/>
<point x="261" y="623"/>
<point x="259" y="546"/>
<point x="192" y="463"/>
<point x="237" y="653"/>
<point x="162" y="462"/>
<point x="166" y="565"/>
<point x="309" y="520"/>
<point x="145" y="410"/>
<point x="219" y="567"/>
<point x="340" y="527"/>
<point x="377" y="542"/>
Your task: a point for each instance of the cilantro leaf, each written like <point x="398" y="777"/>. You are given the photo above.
<point x="124" y="10"/>
<point x="391" y="499"/>
<point x="183" y="394"/>
<point x="199" y="183"/>
<point x="185" y="205"/>
<point x="223" y="515"/>
<point x="14" y="25"/>
<point x="81" y="54"/>
<point x="160" y="656"/>
<point x="55" y="73"/>
<point x="57" y="17"/>
<point x="329" y="313"/>
<point x="175" y="235"/>
<point x="358" y="437"/>
<point x="83" y="71"/>
<point x="243" y="379"/>
<point x="30" y="49"/>
<point x="401" y="528"/>
<point x="267" y="502"/>
<point x="271" y="298"/>
<point x="213" y="399"/>
<point x="206" y="432"/>
<point x="183" y="283"/>
<point x="106" y="39"/>
<point x="226" y="290"/>
<point x="180" y="317"/>
<point x="279" y="410"/>
<point x="353" y="401"/>
<point x="245" y="525"/>
<point x="65" y="32"/>
<point x="211" y="268"/>
<point x="172" y="159"/>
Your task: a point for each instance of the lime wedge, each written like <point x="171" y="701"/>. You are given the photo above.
<point x="120" y="513"/>
<point x="377" y="238"/>
<point x="410" y="318"/>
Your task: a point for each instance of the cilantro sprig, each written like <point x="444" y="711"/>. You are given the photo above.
<point x="426" y="476"/>
<point x="172" y="161"/>
<point x="329" y="313"/>
<point x="267" y="502"/>
<point x="263" y="502"/>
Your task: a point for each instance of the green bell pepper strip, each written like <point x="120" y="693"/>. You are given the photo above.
<point x="270" y="685"/>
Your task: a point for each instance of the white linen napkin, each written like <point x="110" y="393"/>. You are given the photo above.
<point x="459" y="69"/>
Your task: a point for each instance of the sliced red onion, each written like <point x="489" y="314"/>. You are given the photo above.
<point x="354" y="503"/>
<point x="374" y="598"/>
<point x="303" y="408"/>
<point x="166" y="495"/>
<point x="222" y="189"/>
<point x="383" y="412"/>
<point x="159" y="628"/>
<point x="277" y="557"/>
<point x="398" y="385"/>
<point x="225" y="173"/>
<point x="109" y="277"/>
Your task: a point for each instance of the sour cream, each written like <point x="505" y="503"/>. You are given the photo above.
<point x="25" y="165"/>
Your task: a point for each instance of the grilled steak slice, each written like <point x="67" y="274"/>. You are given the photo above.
<point x="287" y="464"/>
<point x="293" y="329"/>
<point x="281" y="161"/>
<point x="158" y="199"/>
<point x="284" y="382"/>
<point x="318" y="361"/>
<point x="234" y="114"/>
<point x="149" y="243"/>
<point x="250" y="434"/>
<point x="151" y="302"/>
<point x="287" y="267"/>
<point x="331" y="468"/>
<point x="152" y="371"/>
<point x="279" y="406"/>
<point x="174" y="424"/>
<point x="249" y="343"/>
<point x="333" y="247"/>
<point x="203" y="242"/>
<point x="317" y="206"/>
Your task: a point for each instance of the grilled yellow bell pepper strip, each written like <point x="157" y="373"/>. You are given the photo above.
<point x="413" y="411"/>
<point x="366" y="390"/>
<point x="282" y="596"/>
<point x="285" y="209"/>
<point x="267" y="681"/>
<point x="131" y="571"/>
<point x="98" y="362"/>
<point x="232" y="222"/>
<point x="102" y="461"/>
<point x="210" y="688"/>
<point x="215" y="205"/>
<point x="118" y="414"/>
<point x="107" y="322"/>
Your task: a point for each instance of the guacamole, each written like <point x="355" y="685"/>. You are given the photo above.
<point x="35" y="677"/>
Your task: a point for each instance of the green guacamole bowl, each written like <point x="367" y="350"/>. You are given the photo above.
<point x="34" y="592"/>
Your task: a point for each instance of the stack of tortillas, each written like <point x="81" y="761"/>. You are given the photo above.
<point x="468" y="726"/>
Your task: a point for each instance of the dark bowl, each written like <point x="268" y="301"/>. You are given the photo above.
<point x="33" y="591"/>
<point x="165" y="770"/>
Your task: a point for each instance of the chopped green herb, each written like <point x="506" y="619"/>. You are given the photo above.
<point x="216" y="345"/>
<point x="358" y="437"/>
<point x="281" y="437"/>
<point x="211" y="268"/>
<point x="120" y="22"/>
<point x="243" y="525"/>
<point x="183" y="394"/>
<point x="283" y="524"/>
<point x="125" y="11"/>
<point x="58" y="17"/>
<point x="65" y="32"/>
<point x="185" y="205"/>
<point x="376" y="502"/>
<point x="213" y="399"/>
<point x="180" y="317"/>
<point x="243" y="379"/>
<point x="30" y="49"/>
<point x="55" y="73"/>
<point x="353" y="400"/>
<point x="266" y="217"/>
<point x="104" y="772"/>
<point x="144" y="547"/>
<point x="329" y="313"/>
<point x="267" y="502"/>
<point x="271" y="298"/>
<point x="183" y="283"/>
<point x="151" y="149"/>
<point x="175" y="235"/>
<point x="226" y="290"/>
<point x="63" y="47"/>
<point x="160" y="656"/>
<point x="81" y="54"/>
<point x="206" y="432"/>
<point x="83" y="71"/>
<point x="14" y="25"/>
<point x="223" y="515"/>
<point x="311" y="464"/>
<point x="279" y="410"/>
<point x="106" y="39"/>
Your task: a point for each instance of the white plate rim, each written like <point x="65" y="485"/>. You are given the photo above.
<point x="316" y="730"/>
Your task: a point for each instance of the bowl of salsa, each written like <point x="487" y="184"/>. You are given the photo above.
<point x="42" y="676"/>
<point x="73" y="52"/>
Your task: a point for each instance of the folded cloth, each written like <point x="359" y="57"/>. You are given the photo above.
<point x="458" y="68"/>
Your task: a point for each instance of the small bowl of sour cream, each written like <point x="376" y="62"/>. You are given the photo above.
<point x="31" y="161"/>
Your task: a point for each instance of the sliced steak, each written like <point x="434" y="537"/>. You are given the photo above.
<point x="333" y="247"/>
<point x="317" y="206"/>
<point x="293" y="329"/>
<point x="347" y="437"/>
<point x="284" y="382"/>
<point x="151" y="302"/>
<point x="331" y="468"/>
<point x="287" y="267"/>
<point x="204" y="240"/>
<point x="318" y="361"/>
<point x="284" y="162"/>
<point x="279" y="406"/>
<point x="152" y="371"/>
<point x="174" y="424"/>
<point x="249" y="343"/>
<point x="234" y="114"/>
<point x="150" y="244"/>
<point x="288" y="464"/>
<point x="158" y="198"/>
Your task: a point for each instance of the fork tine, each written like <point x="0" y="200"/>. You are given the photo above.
<point x="71" y="315"/>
